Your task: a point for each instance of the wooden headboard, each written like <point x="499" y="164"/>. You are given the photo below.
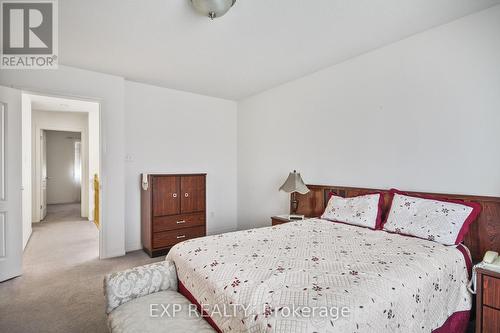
<point x="484" y="234"/>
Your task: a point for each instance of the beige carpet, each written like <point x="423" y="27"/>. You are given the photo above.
<point x="61" y="287"/>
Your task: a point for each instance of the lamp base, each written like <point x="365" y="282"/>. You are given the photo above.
<point x="294" y="204"/>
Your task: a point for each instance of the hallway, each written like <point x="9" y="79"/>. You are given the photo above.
<point x="63" y="238"/>
<point x="61" y="286"/>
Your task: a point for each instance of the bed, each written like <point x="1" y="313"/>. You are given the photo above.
<point x="320" y="276"/>
<point x="384" y="282"/>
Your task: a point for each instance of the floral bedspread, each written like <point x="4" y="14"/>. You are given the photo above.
<point x="320" y="276"/>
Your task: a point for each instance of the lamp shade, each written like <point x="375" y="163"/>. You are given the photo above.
<point x="294" y="183"/>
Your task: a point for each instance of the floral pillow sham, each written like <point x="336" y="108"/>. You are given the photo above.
<point x="363" y="210"/>
<point x="443" y="221"/>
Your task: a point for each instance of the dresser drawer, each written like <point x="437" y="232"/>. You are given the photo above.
<point x="491" y="291"/>
<point x="491" y="320"/>
<point x="170" y="238"/>
<point x="166" y="223"/>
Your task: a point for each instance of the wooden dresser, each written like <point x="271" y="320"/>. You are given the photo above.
<point x="488" y="301"/>
<point x="172" y="210"/>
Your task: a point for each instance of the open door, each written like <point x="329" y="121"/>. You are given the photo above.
<point x="11" y="233"/>
<point x="43" y="178"/>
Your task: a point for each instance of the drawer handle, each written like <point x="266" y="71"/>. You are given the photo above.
<point x="181" y="222"/>
<point x="186" y="195"/>
<point x="174" y="195"/>
<point x="181" y="236"/>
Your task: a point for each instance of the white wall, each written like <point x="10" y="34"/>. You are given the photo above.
<point x="169" y="131"/>
<point x="58" y="121"/>
<point x="107" y="89"/>
<point x="420" y="114"/>
<point x="26" y="168"/>
<point x="61" y="185"/>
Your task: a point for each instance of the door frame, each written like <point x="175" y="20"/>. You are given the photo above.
<point x="38" y="165"/>
<point x="102" y="176"/>
<point x="43" y="156"/>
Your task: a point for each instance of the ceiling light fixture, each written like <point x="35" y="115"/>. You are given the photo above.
<point x="212" y="8"/>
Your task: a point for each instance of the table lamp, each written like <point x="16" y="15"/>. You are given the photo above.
<point x="294" y="184"/>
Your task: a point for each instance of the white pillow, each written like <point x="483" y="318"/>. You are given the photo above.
<point x="445" y="222"/>
<point x="363" y="210"/>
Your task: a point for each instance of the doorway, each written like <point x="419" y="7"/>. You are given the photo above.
<point x="65" y="161"/>
<point x="22" y="188"/>
<point x="61" y="173"/>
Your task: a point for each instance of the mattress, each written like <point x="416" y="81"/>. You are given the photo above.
<point x="319" y="276"/>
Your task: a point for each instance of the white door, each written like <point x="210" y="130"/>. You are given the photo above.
<point x="11" y="232"/>
<point x="43" y="164"/>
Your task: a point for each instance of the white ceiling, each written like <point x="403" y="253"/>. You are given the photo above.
<point x="257" y="45"/>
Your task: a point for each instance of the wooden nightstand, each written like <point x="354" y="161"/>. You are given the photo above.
<point x="488" y="301"/>
<point x="279" y="220"/>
